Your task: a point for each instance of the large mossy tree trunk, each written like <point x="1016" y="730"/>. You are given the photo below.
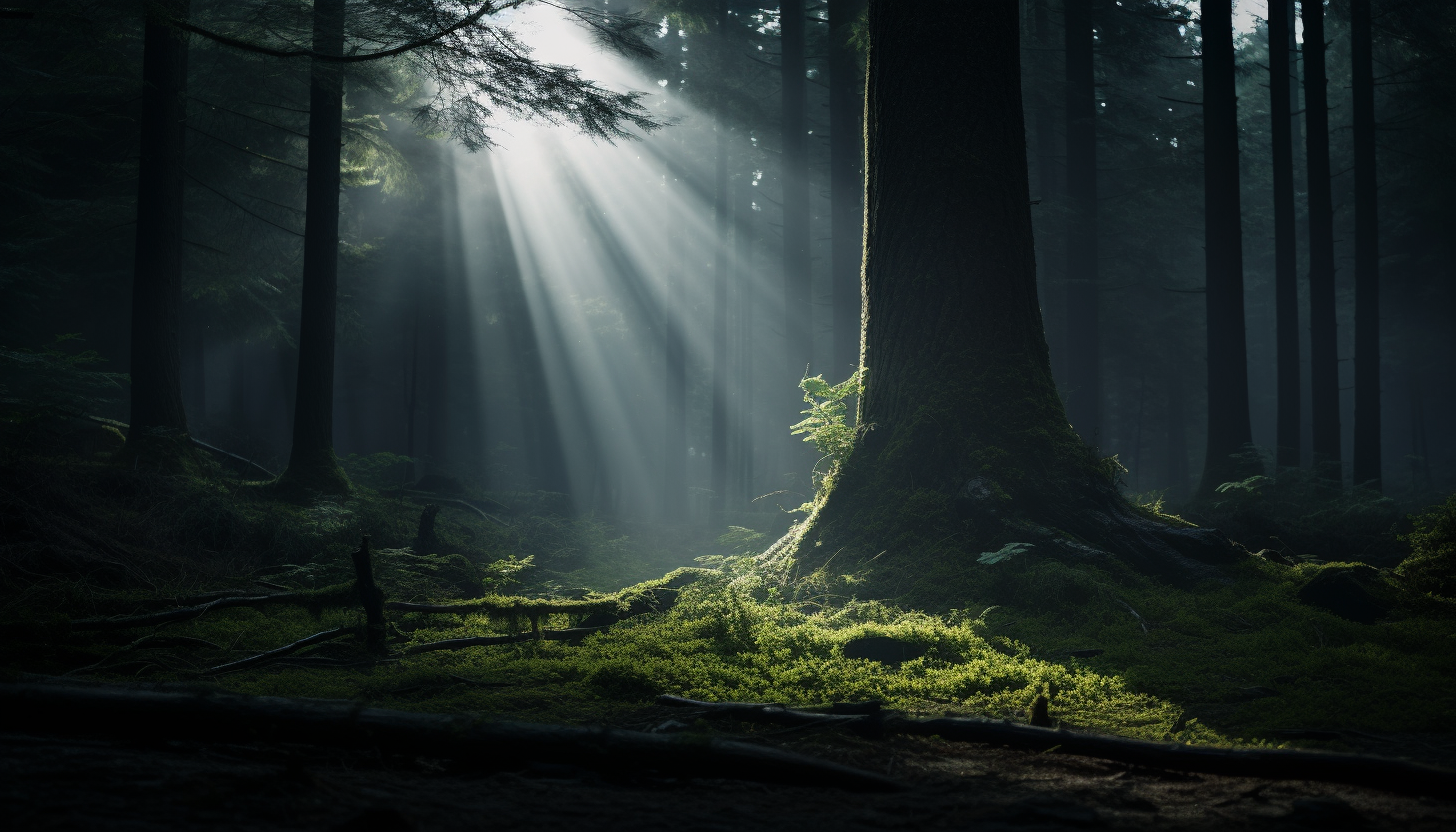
<point x="311" y="464"/>
<point x="964" y="442"/>
<point x="158" y="417"/>
<point x="1229" y="431"/>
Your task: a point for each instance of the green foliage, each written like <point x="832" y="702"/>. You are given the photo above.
<point x="54" y="383"/>
<point x="825" y="421"/>
<point x="379" y="471"/>
<point x="1305" y="516"/>
<point x="1431" y="566"/>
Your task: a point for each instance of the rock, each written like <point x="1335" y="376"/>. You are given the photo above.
<point x="1087" y="654"/>
<point x="1345" y="592"/>
<point x="882" y="649"/>
<point x="1257" y="692"/>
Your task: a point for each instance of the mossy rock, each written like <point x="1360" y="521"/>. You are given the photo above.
<point x="1351" y="591"/>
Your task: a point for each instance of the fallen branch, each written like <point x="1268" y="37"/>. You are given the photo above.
<point x="571" y="634"/>
<point x="341" y="595"/>
<point x="469" y="741"/>
<point x="1327" y="767"/>
<point x="280" y="652"/>
<point x="212" y="449"/>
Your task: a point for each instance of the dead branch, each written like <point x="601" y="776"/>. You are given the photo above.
<point x="315" y="599"/>
<point x="467" y="740"/>
<point x="285" y="650"/>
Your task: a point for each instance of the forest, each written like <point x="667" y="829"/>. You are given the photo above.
<point x="432" y="414"/>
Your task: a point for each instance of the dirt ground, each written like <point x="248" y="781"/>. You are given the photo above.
<point x="93" y="784"/>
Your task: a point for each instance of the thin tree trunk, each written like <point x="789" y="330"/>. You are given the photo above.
<point x="1229" y="431"/>
<point x="718" y="455"/>
<point x="1286" y="275"/>
<point x="1366" y="461"/>
<point x="1324" y="368"/>
<point x="798" y="308"/>
<point x="311" y="463"/>
<point x="673" y="318"/>
<point x="748" y="316"/>
<point x="1084" y="376"/>
<point x="846" y="185"/>
<point x="156" y="361"/>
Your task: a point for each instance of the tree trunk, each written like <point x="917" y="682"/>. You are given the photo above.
<point x="1229" y="432"/>
<point x="846" y="157"/>
<point x="718" y="455"/>
<point x="748" y="340"/>
<point x="965" y="445"/>
<point x="1324" y="367"/>
<point x="1084" y="376"/>
<point x="1286" y="275"/>
<point x="311" y="464"/>
<point x="1048" y="182"/>
<point x="1365" y="462"/>
<point x="798" y="309"/>
<point x="156" y="359"/>
<point x="672" y="318"/>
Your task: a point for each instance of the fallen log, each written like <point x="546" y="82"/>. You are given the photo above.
<point x="1270" y="764"/>
<point x="570" y="634"/>
<point x="468" y="741"/>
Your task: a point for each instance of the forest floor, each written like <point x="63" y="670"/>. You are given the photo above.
<point x="54" y="783"/>
<point x="1236" y="665"/>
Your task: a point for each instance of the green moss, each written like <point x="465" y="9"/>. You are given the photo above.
<point x="1431" y="567"/>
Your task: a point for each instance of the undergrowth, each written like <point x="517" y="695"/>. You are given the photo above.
<point x="1221" y="664"/>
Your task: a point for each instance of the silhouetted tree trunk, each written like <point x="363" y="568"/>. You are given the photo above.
<point x="1048" y="161"/>
<point x="1286" y="274"/>
<point x="965" y="444"/>
<point x="718" y="456"/>
<point x="1229" y="432"/>
<point x="1365" y="462"/>
<point x="748" y="340"/>
<point x="311" y="464"/>
<point x="1084" y="374"/>
<point x="846" y="178"/>
<point x="1324" y="368"/>
<point x="798" y="310"/>
<point x="156" y="361"/>
<point x="672" y="318"/>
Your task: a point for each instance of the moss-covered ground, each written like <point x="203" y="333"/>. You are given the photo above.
<point x="1238" y="662"/>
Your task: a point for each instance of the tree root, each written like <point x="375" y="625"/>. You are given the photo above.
<point x="213" y="717"/>
<point x="1355" y="769"/>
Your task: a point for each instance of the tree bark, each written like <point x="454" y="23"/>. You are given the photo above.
<point x="311" y="464"/>
<point x="1324" y="367"/>
<point x="965" y="445"/>
<point x="1366" y="459"/>
<point x="1229" y="431"/>
<point x="798" y="308"/>
<point x="1286" y="274"/>
<point x="846" y="177"/>
<point x="1084" y="375"/>
<point x="718" y="455"/>
<point x="156" y="360"/>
